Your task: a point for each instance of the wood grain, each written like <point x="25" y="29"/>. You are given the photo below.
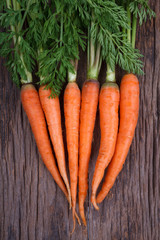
<point x="33" y="207"/>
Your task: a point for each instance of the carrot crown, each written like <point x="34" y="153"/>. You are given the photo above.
<point x="110" y="76"/>
<point x="73" y="75"/>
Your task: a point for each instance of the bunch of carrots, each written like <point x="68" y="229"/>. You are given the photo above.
<point x="47" y="36"/>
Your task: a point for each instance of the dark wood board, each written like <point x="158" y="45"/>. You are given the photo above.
<point x="33" y="207"/>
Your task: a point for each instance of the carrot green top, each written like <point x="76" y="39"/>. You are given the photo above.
<point x="137" y="12"/>
<point x="62" y="34"/>
<point x="107" y="41"/>
<point x="14" y="46"/>
<point x="50" y="33"/>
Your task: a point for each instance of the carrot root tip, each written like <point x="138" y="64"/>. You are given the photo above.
<point x="69" y="197"/>
<point x="83" y="216"/>
<point x="74" y="225"/>
<point x="93" y="200"/>
<point x="78" y="220"/>
<point x="84" y="222"/>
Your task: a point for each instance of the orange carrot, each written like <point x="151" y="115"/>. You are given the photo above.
<point x="72" y="98"/>
<point x="108" y="106"/>
<point x="32" y="106"/>
<point x="51" y="108"/>
<point x="90" y="92"/>
<point x="129" y="108"/>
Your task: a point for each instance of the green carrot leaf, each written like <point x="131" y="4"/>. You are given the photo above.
<point x="141" y="10"/>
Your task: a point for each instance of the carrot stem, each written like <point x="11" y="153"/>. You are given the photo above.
<point x="98" y="59"/>
<point x="25" y="14"/>
<point x="92" y="74"/>
<point x="94" y="58"/>
<point x="129" y="23"/>
<point x="9" y="5"/>
<point x="61" y="34"/>
<point x="124" y="33"/>
<point x="88" y="52"/>
<point x="123" y="29"/>
<point x="72" y="76"/>
<point x="8" y="2"/>
<point x="16" y="6"/>
<point x="92" y="53"/>
<point x="110" y="76"/>
<point x="134" y="28"/>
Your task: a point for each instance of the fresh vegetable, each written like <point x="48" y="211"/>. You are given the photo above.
<point x="129" y="98"/>
<point x="48" y="33"/>
<point x="108" y="107"/>
<point x="50" y="105"/>
<point x="90" y="92"/>
<point x="20" y="55"/>
<point x="71" y="111"/>
<point x="105" y="42"/>
<point x="51" y="108"/>
<point x="32" y="107"/>
<point x="72" y="97"/>
<point x="89" y="102"/>
<point x="63" y="33"/>
<point x="129" y="108"/>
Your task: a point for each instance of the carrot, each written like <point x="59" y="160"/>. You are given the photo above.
<point x="32" y="106"/>
<point x="129" y="108"/>
<point x="90" y="92"/>
<point x="51" y="108"/>
<point x="72" y="98"/>
<point x="108" y="106"/>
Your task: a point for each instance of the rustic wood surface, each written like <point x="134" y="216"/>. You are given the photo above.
<point x="33" y="207"/>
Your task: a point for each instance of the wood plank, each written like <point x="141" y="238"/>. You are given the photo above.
<point x="33" y="207"/>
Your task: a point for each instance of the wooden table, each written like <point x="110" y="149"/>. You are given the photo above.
<point x="33" y="207"/>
